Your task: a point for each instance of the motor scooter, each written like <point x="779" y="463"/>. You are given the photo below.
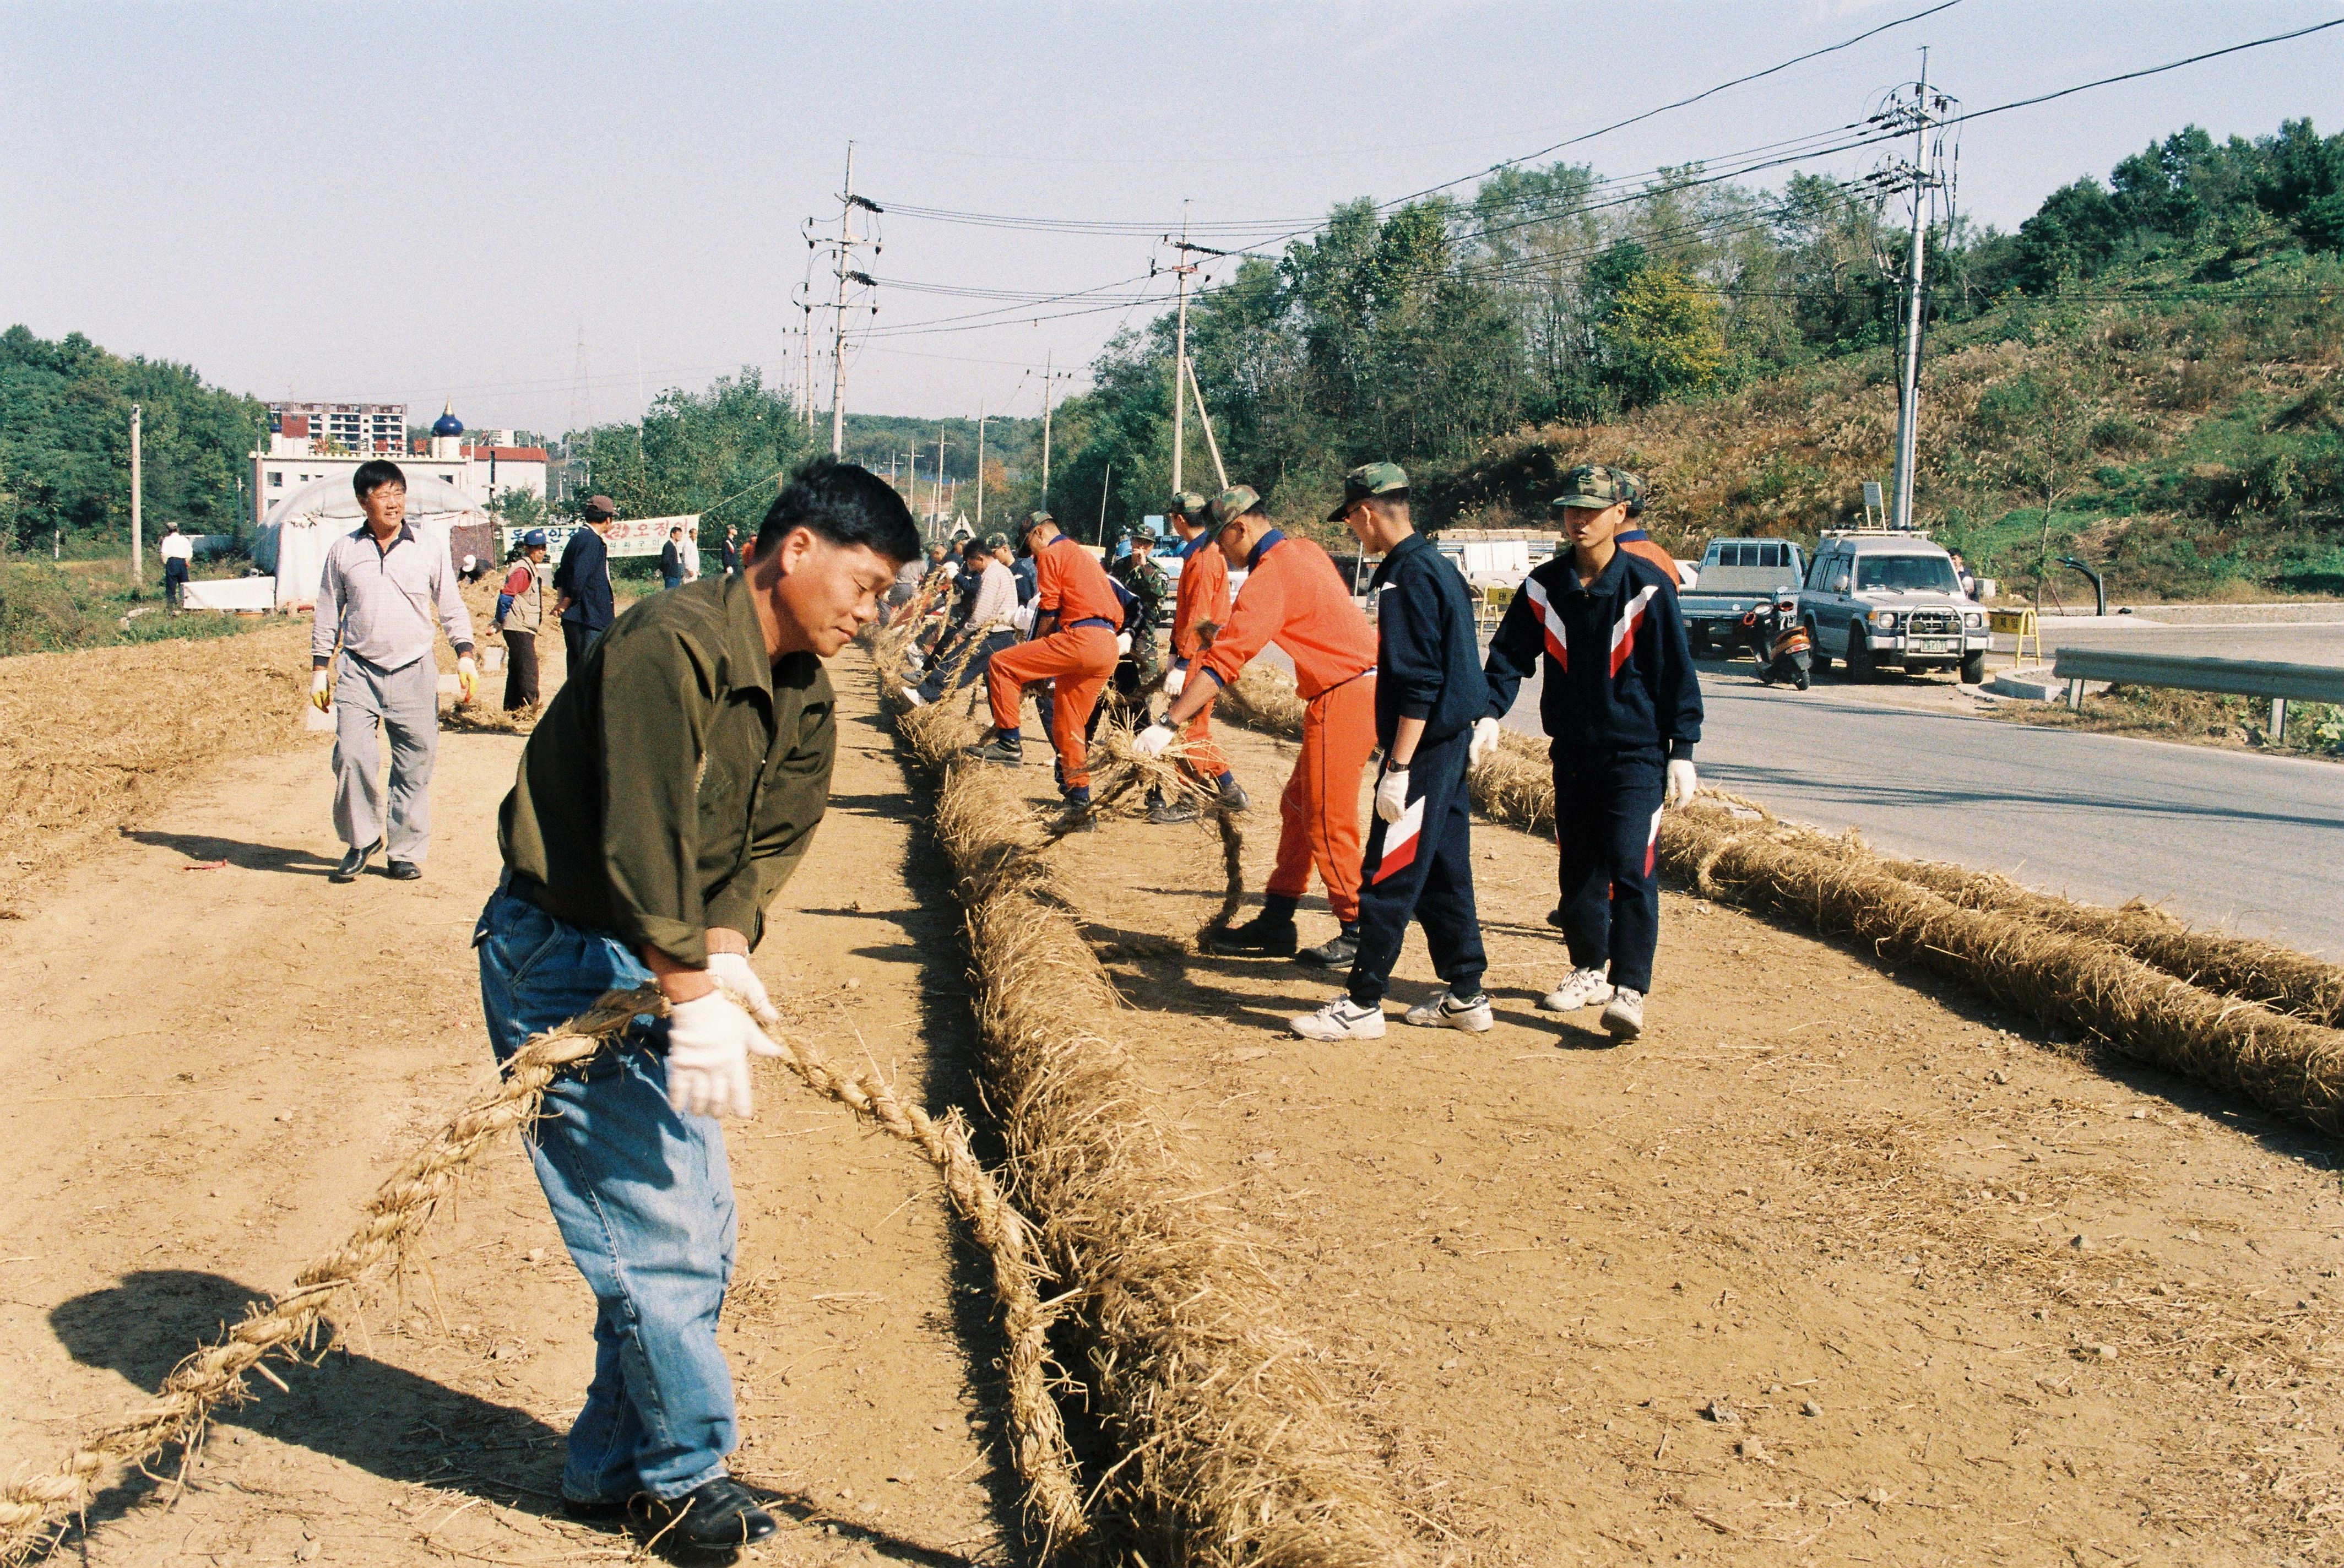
<point x="1778" y="640"/>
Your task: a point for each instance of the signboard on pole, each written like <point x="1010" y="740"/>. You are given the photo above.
<point x="628" y="535"/>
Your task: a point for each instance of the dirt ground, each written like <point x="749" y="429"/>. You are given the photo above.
<point x="1830" y="1266"/>
<point x="217" y="1062"/>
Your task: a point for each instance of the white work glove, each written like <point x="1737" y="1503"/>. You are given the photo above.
<point x="708" y="1042"/>
<point x="468" y="677"/>
<point x="1021" y="620"/>
<point x="1682" y="782"/>
<point x="1152" y="740"/>
<point x="1123" y="642"/>
<point x="1391" y="793"/>
<point x="1173" y="680"/>
<point x="732" y="971"/>
<point x="1484" y="742"/>
<point x="321" y="690"/>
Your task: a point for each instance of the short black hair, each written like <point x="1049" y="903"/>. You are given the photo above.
<point x="974" y="547"/>
<point x="844" y="503"/>
<point x="373" y="474"/>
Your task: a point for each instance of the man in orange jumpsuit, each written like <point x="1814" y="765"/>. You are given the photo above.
<point x="1295" y="598"/>
<point x="1199" y="610"/>
<point x="1076" y="620"/>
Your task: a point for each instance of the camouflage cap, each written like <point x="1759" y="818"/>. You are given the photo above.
<point x="1598" y="485"/>
<point x="997" y="540"/>
<point x="1231" y="504"/>
<point x="1188" y="504"/>
<point x="1367" y="480"/>
<point x="1035" y="519"/>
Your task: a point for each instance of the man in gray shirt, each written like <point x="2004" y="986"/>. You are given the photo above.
<point x="384" y="589"/>
<point x="985" y="621"/>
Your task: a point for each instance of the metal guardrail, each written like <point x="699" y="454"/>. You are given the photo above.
<point x="2280" y="683"/>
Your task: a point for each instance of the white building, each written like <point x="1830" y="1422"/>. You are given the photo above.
<point x="353" y="427"/>
<point x="299" y="455"/>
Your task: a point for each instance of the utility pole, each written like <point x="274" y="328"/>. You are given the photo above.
<point x="137" y="515"/>
<point x="1205" y="420"/>
<point x="911" y="477"/>
<point x="1922" y="179"/>
<point x="980" y="468"/>
<point x="838" y="315"/>
<point x="1107" y="483"/>
<point x="805" y="334"/>
<point x="937" y="496"/>
<point x="1181" y="270"/>
<point x="1047" y="380"/>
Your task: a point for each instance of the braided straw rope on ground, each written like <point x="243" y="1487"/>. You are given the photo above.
<point x="1230" y="1450"/>
<point x="400" y="1208"/>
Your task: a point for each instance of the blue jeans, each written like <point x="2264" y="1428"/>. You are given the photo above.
<point x="643" y="1196"/>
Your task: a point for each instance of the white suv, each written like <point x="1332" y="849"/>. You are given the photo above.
<point x="1892" y="600"/>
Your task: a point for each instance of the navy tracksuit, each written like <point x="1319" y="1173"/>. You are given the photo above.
<point x="1421" y="866"/>
<point x="1618" y="700"/>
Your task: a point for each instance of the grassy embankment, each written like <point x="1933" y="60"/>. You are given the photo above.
<point x="51" y="607"/>
<point x="2189" y="448"/>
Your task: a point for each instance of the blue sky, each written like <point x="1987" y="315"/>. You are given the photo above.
<point x="420" y="202"/>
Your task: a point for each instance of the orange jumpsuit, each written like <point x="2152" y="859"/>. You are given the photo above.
<point x="1203" y="599"/>
<point x="1297" y="598"/>
<point x="1079" y="655"/>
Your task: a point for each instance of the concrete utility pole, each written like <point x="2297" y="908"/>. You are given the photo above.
<point x="838" y="317"/>
<point x="137" y="515"/>
<point x="937" y="496"/>
<point x="1047" y="380"/>
<point x="805" y="333"/>
<point x="980" y="468"/>
<point x="912" y="478"/>
<point x="1181" y="270"/>
<point x="1908" y="400"/>
<point x="1205" y="420"/>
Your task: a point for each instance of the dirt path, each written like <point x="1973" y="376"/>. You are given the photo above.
<point x="1827" y="1268"/>
<point x="216" y="1064"/>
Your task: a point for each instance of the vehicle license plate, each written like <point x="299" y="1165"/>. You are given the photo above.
<point x="1932" y="645"/>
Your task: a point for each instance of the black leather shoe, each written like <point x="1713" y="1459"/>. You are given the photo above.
<point x="996" y="749"/>
<point x="354" y="860"/>
<point x="1258" y="938"/>
<point x="719" y="1515"/>
<point x="405" y="871"/>
<point x="1335" y="954"/>
<point x="1234" y="797"/>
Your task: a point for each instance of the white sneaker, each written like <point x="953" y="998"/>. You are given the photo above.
<point x="1447" y="1010"/>
<point x="1581" y="989"/>
<point x="912" y="695"/>
<point x="1341" y="1019"/>
<point x="1624" y="1018"/>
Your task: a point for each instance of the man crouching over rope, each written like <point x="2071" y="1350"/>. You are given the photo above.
<point x="668" y="790"/>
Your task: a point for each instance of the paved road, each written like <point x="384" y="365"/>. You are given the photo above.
<point x="2288" y="642"/>
<point x="2246" y="842"/>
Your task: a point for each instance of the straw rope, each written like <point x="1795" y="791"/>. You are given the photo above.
<point x="1230" y="1451"/>
<point x="396" y="1216"/>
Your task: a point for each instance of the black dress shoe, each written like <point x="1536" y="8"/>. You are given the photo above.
<point x="719" y="1515"/>
<point x="354" y="860"/>
<point x="405" y="871"/>
<point x="1257" y="938"/>
<point x="1164" y="812"/>
<point x="1234" y="797"/>
<point x="1335" y="954"/>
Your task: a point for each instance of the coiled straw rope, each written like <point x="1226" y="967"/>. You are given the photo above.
<point x="400" y="1208"/>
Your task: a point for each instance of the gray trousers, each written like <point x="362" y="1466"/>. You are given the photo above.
<point x="404" y="701"/>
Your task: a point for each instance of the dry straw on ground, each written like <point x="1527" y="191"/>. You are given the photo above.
<point x="89" y="740"/>
<point x="404" y="1206"/>
<point x="1226" y="1449"/>
<point x="2186" y="1001"/>
<point x="2280" y="977"/>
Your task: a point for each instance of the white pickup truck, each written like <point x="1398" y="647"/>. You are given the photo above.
<point x="1735" y="577"/>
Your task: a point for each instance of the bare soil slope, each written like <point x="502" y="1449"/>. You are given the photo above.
<point x="1829" y="1267"/>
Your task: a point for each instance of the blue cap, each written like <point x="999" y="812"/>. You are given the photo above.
<point x="533" y="539"/>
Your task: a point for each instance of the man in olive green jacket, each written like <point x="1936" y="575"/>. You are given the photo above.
<point x="668" y="790"/>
